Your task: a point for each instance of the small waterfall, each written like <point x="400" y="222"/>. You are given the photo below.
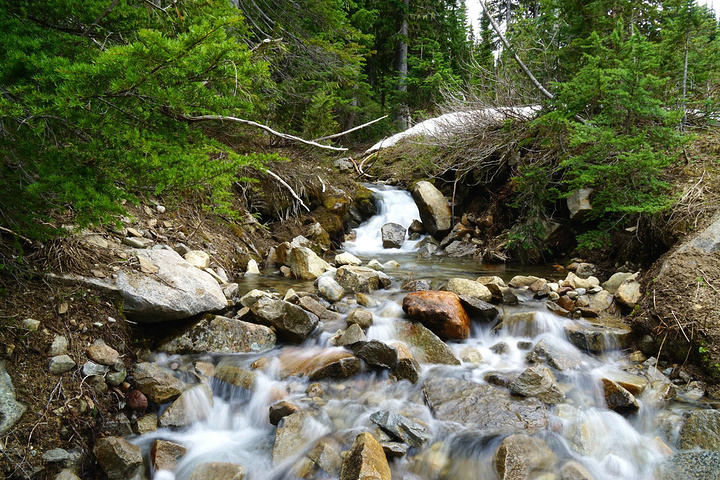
<point x="393" y="206"/>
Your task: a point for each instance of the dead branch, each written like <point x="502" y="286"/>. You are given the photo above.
<point x="351" y="130"/>
<point x="284" y="183"/>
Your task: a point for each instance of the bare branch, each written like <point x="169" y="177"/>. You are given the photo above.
<point x="351" y="130"/>
<point x="99" y="19"/>
<point x="292" y="192"/>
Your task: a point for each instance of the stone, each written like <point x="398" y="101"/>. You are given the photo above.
<point x="31" y="325"/>
<point x="193" y="405"/>
<point x="290" y="436"/>
<point x="393" y="235"/>
<point x="280" y="410"/>
<point x="306" y="264"/>
<point x="366" y="300"/>
<point x="230" y="290"/>
<point x="252" y="268"/>
<point x="198" y="259"/>
<point x="602" y="301"/>
<point x="628" y="293"/>
<point x="618" y="398"/>
<point x="376" y="353"/>
<point x="353" y="334"/>
<point x="375" y="265"/>
<point x="158" y="384"/>
<point x="177" y="291"/>
<point x="558" y="354"/>
<point x="292" y="323"/>
<point x="521" y="457"/>
<point x="460" y="249"/>
<point x="365" y="460"/>
<point x="401" y="428"/>
<point x="416" y="226"/>
<point x="574" y="470"/>
<point x="316" y="308"/>
<point x="137" y="400"/>
<point x="136" y="242"/>
<point x="599" y="335"/>
<point x="249" y="299"/>
<point x="329" y="363"/>
<point x="485" y="407"/>
<point x="146" y="424"/>
<point x="216" y="334"/>
<point x="60" y="364"/>
<point x="434" y="209"/>
<point x="357" y="279"/>
<point x="330" y="289"/>
<point x="218" y="471"/>
<point x="101" y="353"/>
<point x="634" y="384"/>
<point x="119" y="459"/>
<point x="115" y="378"/>
<point x="426" y="347"/>
<point x="407" y="369"/>
<point x="236" y="375"/>
<point x="346" y="258"/>
<point x="538" y="382"/>
<point x="458" y="232"/>
<point x="56" y="455"/>
<point x="471" y="355"/>
<point x="585" y="270"/>
<point x="165" y="455"/>
<point x="67" y="474"/>
<point x="91" y="368"/>
<point x="59" y="346"/>
<point x="441" y="312"/>
<point x="479" y="309"/>
<point x="324" y="456"/>
<point x="700" y="430"/>
<point x="699" y="465"/>
<point x="578" y="202"/>
<point x="415" y="285"/>
<point x="523" y="324"/>
<point x="360" y="317"/>
<point x="470" y="288"/>
<point x="519" y="281"/>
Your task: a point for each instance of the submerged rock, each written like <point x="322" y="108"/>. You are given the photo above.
<point x="291" y="435"/>
<point x="191" y="406"/>
<point x="599" y="335"/>
<point x="521" y="457"/>
<point x="365" y="460"/>
<point x="538" y="382"/>
<point x="401" y="428"/>
<point x="441" y="312"/>
<point x="618" y="398"/>
<point x="426" y="347"/>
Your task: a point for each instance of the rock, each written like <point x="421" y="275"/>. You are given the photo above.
<point x="146" y="423"/>
<point x="360" y="317"/>
<point x="416" y="285"/>
<point x="91" y="368"/>
<point x="376" y="353"/>
<point x="366" y="300"/>
<point x="407" y="369"/>
<point x="700" y="430"/>
<point x="198" y="259"/>
<point x="67" y="474"/>
<point x="599" y="335"/>
<point x="216" y="334"/>
<point x="585" y="270"/>
<point x="615" y="281"/>
<point x="458" y="232"/>
<point x="434" y="209"/>
<point x="401" y="428"/>
<point x="290" y="436"/>
<point x="137" y="400"/>
<point x="393" y="235"/>
<point x="365" y="460"/>
<point x="574" y="470"/>
<point x="478" y="308"/>
<point x="538" y="382"/>
<point x="375" y="265"/>
<point x="306" y="264"/>
<point x="484" y="407"/>
<point x="56" y="455"/>
<point x="177" y="290"/>
<point x="577" y="282"/>
<point x="628" y="293"/>
<point x="236" y="375"/>
<point x="100" y="353"/>
<point x="230" y="290"/>
<point x="353" y="334"/>
<point x="425" y="346"/>
<point x="519" y="281"/>
<point x="157" y="383"/>
<point x="330" y="289"/>
<point x="578" y="203"/>
<point x="634" y="384"/>
<point x="193" y="405"/>
<point x="31" y="325"/>
<point x="329" y="363"/>
<point x="618" y="398"/>
<point x="165" y="455"/>
<point x="115" y="378"/>
<point x="218" y="471"/>
<point x="280" y="410"/>
<point x="357" y="279"/>
<point x="346" y="258"/>
<point x="316" y="308"/>
<point x="521" y="457"/>
<point x="324" y="459"/>
<point x="60" y="364"/>
<point x="252" y="268"/>
<point x="558" y="355"/>
<point x="441" y="312"/>
<point x="292" y="323"/>
<point x="523" y="324"/>
<point x="460" y="249"/>
<point x="119" y="459"/>
<point x="602" y="301"/>
<point x="470" y="288"/>
<point x="59" y="346"/>
<point x="137" y="242"/>
<point x="471" y="355"/>
<point x="702" y="465"/>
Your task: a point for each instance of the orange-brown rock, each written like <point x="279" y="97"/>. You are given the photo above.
<point x="441" y="312"/>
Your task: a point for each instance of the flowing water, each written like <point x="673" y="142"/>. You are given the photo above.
<point x="235" y="427"/>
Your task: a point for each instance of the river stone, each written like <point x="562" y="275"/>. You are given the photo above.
<point x="178" y="290"/>
<point x="628" y="293"/>
<point x="578" y="202"/>
<point x="393" y="235"/>
<point x="376" y="353"/>
<point x="360" y="317"/>
<point x="434" y="209"/>
<point x="353" y="334"/>
<point x="601" y="301"/>
<point x="618" y="398"/>
<point x="478" y="308"/>
<point x="574" y="470"/>
<point x="347" y="258"/>
<point x="441" y="312"/>
<point x="119" y="459"/>
<point x="10" y="409"/>
<point x="634" y="384"/>
<point x="61" y="364"/>
<point x="157" y="383"/>
<point x="401" y="428"/>
<point x="407" y="369"/>
<point x="137" y="400"/>
<point x="365" y="460"/>
<point x="216" y="334"/>
<point x="101" y="353"/>
<point x="522" y="324"/>
<point x="375" y="265"/>
<point x="280" y="410"/>
<point x="236" y="375"/>
<point x="485" y="407"/>
<point x="519" y="281"/>
<point x="291" y="435"/>
<point x="366" y="300"/>
<point x="330" y="289"/>
<point x="146" y="424"/>
<point x="330" y="363"/>
<point x="700" y="430"/>
<point x="522" y="457"/>
<point x="599" y="335"/>
<point x="59" y="346"/>
<point x="165" y="455"/>
<point x="460" y="249"/>
<point x="558" y="354"/>
<point x="305" y="263"/>
<point x="702" y="465"/>
<point x="193" y="405"/>
<point x="218" y="471"/>
<point x="538" y="382"/>
<point x="426" y="347"/>
<point x="470" y="288"/>
<point x="313" y="306"/>
<point x="614" y="282"/>
<point x="357" y="279"/>
<point x="292" y="323"/>
<point x="249" y="299"/>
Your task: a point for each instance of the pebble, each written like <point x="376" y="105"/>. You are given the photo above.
<point x="60" y="364"/>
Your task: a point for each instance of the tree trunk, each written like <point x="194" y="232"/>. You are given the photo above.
<point x="403" y="112"/>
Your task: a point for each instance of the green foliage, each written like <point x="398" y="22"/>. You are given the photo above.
<point x="595" y="239"/>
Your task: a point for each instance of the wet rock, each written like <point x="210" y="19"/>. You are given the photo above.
<point x="407" y="369"/>
<point x="375" y="265"/>
<point x="471" y="355"/>
<point x="401" y="428"/>
<point x="358" y="279"/>
<point x="145" y="424"/>
<point x="156" y="383"/>
<point x="137" y="400"/>
<point x="360" y="317"/>
<point x="376" y="353"/>
<point x="236" y="375"/>
<point x="325" y="459"/>
<point x="316" y="308"/>
<point x="519" y="281"/>
<point x="434" y="209"/>
<point x="523" y="324"/>
<point x="416" y="227"/>
<point x="602" y="301"/>
<point x="59" y="346"/>
<point x="484" y="407"/>
<point x="330" y="289"/>
<point x="700" y="430"/>
<point x="416" y="285"/>
<point x="538" y="382"/>
<point x="346" y="258"/>
<point x="500" y="347"/>
<point x="249" y="299"/>
<point x="61" y="364"/>
<point x="394" y="449"/>
<point x="458" y="232"/>
<point x="557" y="309"/>
<point x="218" y="334"/>
<point x="178" y="290"/>
<point x="393" y="235"/>
<point x="599" y="335"/>
<point x="478" y="308"/>
<point x="218" y="471"/>
<point x="291" y="435"/>
<point x="460" y="249"/>
<point x="193" y="405"/>
<point x="365" y="460"/>
<point x="384" y="280"/>
<point x="353" y="334"/>
<point x="521" y="457"/>
<point x="165" y="455"/>
<point x="280" y="410"/>
<point x="578" y="203"/>
<point x="425" y="346"/>
<point x="634" y="384"/>
<point x="557" y="354"/>
<point x="702" y="465"/>
<point x="292" y="323"/>
<point x="618" y="398"/>
<point x="470" y="288"/>
<point x="628" y="293"/>
<point x="366" y="300"/>
<point x="306" y="264"/>
<point x="119" y="459"/>
<point x="441" y="312"/>
<point x="614" y="282"/>
<point x="577" y="282"/>
<point x="252" y="269"/>
<point x="574" y="470"/>
<point x="342" y="368"/>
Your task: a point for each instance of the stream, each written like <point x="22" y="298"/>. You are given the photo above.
<point x="454" y="437"/>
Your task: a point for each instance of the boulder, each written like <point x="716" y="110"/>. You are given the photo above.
<point x="252" y="268"/>
<point x="292" y="323"/>
<point x="558" y="354"/>
<point x="702" y="465"/>
<point x="470" y="288"/>
<point x="325" y="459"/>
<point x="618" y="398"/>
<point x="330" y="289"/>
<point x="458" y="232"/>
<point x="193" y="405"/>
<point x="574" y="470"/>
<point x="599" y="335"/>
<point x="360" y="317"/>
<point x="441" y="312"/>
<point x="393" y="235"/>
<point x="198" y="259"/>
<point x="401" y="428"/>
<point x="165" y="455"/>
<point x="434" y="209"/>
<point x="538" y="382"/>
<point x="316" y="365"/>
<point x="216" y="334"/>
<point x="316" y="308"/>
<point x="177" y="290"/>
<point x="376" y="353"/>
<point x="10" y="409"/>
<point x="218" y="471"/>
<point x="119" y="459"/>
<point x="519" y="281"/>
<point x="346" y="258"/>
<point x="578" y="202"/>
<point x="156" y="383"/>
<point x="478" y="308"/>
<point x="614" y="282"/>
<point x="365" y="460"/>
<point x="628" y="293"/>
<point x="353" y="334"/>
<point x="305" y="263"/>
<point x="280" y="410"/>
<point x="700" y="430"/>
<point x="425" y="346"/>
<point x="521" y="457"/>
<point x="358" y="279"/>
<point x="291" y="435"/>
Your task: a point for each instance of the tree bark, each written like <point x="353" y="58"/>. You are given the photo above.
<point x="402" y="116"/>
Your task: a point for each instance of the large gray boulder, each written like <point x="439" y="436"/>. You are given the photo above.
<point x="434" y="209"/>
<point x="357" y="279"/>
<point x="216" y="334"/>
<point x="176" y="290"/>
<point x="393" y="235"/>
<point x="306" y="264"/>
<point x="291" y="322"/>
